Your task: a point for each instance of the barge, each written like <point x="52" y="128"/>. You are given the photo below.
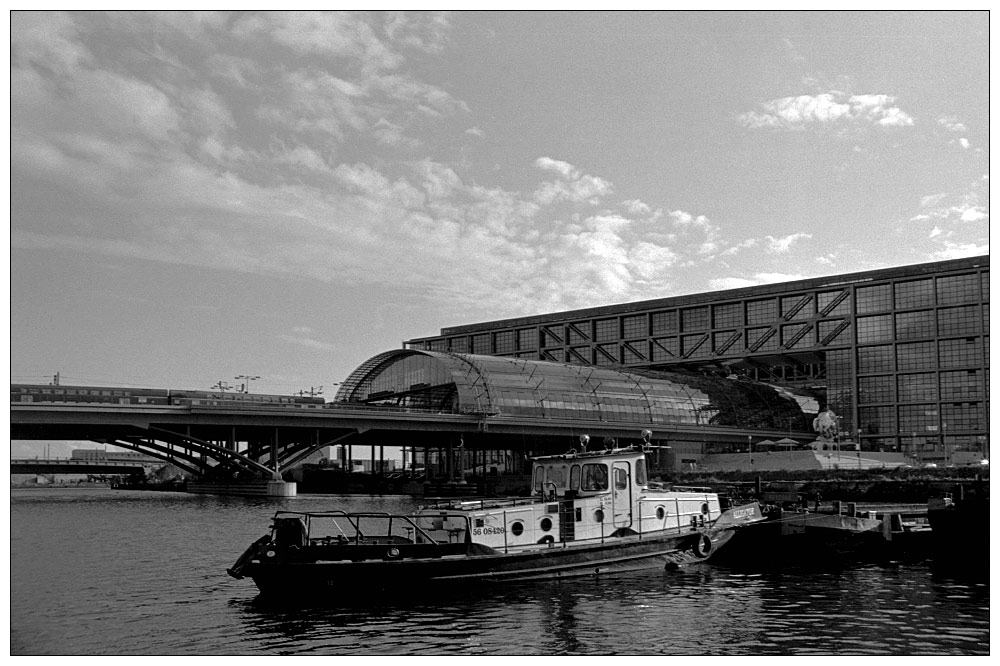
<point x="591" y="513"/>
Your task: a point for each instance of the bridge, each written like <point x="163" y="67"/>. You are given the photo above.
<point x="244" y="449"/>
<point x="49" y="466"/>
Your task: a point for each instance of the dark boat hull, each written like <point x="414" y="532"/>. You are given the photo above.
<point x="326" y="577"/>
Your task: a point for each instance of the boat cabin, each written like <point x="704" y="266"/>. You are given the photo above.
<point x="580" y="496"/>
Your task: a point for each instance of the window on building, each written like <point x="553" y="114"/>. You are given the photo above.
<point x="914" y="294"/>
<point x="875" y="359"/>
<point x="729" y="315"/>
<point x="606" y="330"/>
<point x="911" y="325"/>
<point x="504" y="342"/>
<point x="578" y="332"/>
<point x="915" y="356"/>
<point x="762" y="312"/>
<point x="877" y="420"/>
<point x="876" y="298"/>
<point x="960" y="416"/>
<point x="918" y="418"/>
<point x="960" y="353"/>
<point x="958" y="321"/>
<point x="874" y="329"/>
<point x="665" y="322"/>
<point x="961" y="384"/>
<point x="876" y="389"/>
<point x="635" y="326"/>
<point x="694" y="319"/>
<point x="957" y="289"/>
<point x="919" y="387"/>
<point x="833" y="303"/>
<point x="797" y="307"/>
<point x="527" y="338"/>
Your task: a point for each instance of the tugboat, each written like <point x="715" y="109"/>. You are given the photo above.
<point x="591" y="513"/>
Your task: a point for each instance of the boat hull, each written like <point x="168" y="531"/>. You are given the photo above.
<point x="556" y="561"/>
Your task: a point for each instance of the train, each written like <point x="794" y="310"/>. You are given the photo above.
<point x="109" y="395"/>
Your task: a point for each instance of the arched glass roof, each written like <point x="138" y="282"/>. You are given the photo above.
<point x="495" y="385"/>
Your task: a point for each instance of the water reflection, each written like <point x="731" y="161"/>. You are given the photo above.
<point x="699" y="611"/>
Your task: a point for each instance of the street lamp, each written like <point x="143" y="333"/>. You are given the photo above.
<point x="245" y="387"/>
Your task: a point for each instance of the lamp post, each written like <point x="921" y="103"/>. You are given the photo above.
<point x="245" y="387"/>
<point x="750" y="450"/>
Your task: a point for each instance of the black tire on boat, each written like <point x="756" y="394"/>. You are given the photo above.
<point x="702" y="546"/>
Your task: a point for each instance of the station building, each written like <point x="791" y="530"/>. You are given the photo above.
<point x="900" y="355"/>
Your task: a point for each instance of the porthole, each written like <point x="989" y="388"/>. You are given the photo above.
<point x="545" y="524"/>
<point x="660" y="513"/>
<point x="599" y="516"/>
<point x="517" y="529"/>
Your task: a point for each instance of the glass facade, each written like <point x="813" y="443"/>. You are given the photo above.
<point x="900" y="354"/>
<point x="495" y="385"/>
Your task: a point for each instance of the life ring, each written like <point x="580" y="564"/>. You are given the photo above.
<point x="702" y="546"/>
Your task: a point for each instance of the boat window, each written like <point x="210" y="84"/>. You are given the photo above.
<point x="556" y="474"/>
<point x="595" y="477"/>
<point x="621" y="478"/>
<point x="640" y="472"/>
<point x="539" y="478"/>
<point x="574" y="477"/>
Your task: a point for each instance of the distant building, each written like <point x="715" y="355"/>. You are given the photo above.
<point x="100" y="455"/>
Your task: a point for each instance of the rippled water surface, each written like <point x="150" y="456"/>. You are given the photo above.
<point x="102" y="572"/>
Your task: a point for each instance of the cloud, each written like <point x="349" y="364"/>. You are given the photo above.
<point x="955" y="209"/>
<point x="753" y="281"/>
<point x="770" y="244"/>
<point x="217" y="154"/>
<point x="952" y="124"/>
<point x="953" y="250"/>
<point x="306" y="342"/>
<point x="573" y="186"/>
<point x="826" y="108"/>
<point x="784" y="244"/>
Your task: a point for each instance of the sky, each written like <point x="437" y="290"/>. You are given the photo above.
<point x="200" y="196"/>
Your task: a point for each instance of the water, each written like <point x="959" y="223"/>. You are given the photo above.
<point x="103" y="572"/>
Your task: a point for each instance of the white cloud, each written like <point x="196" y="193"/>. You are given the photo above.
<point x="309" y="343"/>
<point x="953" y="250"/>
<point x="757" y="279"/>
<point x="831" y="107"/>
<point x="573" y="186"/>
<point x="952" y="124"/>
<point x="784" y="244"/>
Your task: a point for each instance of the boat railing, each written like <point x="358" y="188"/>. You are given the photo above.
<point x="370" y="527"/>
<point x="484" y="503"/>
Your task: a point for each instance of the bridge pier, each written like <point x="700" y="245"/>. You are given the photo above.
<point x="247" y="488"/>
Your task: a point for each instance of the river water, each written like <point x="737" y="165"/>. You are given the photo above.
<point x="109" y="572"/>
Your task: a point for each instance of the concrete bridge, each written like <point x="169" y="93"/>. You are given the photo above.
<point x="49" y="466"/>
<point x="244" y="449"/>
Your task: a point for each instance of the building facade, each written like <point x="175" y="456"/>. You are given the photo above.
<point x="901" y="355"/>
